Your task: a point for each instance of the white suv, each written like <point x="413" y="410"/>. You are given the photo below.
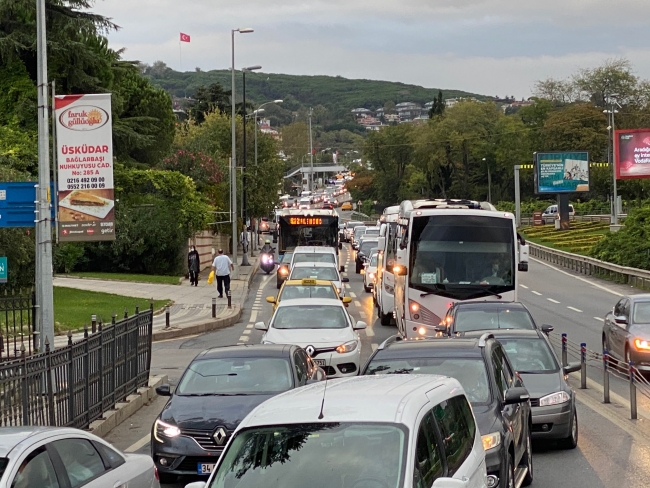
<point x="411" y="431"/>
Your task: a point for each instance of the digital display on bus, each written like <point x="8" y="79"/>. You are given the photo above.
<point x="305" y="221"/>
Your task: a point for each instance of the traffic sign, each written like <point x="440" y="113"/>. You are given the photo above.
<point x="3" y="269"/>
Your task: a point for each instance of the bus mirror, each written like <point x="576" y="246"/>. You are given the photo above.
<point x="381" y="243"/>
<point x="401" y="256"/>
<point x="523" y="267"/>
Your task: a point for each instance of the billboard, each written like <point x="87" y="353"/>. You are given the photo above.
<point x="632" y="153"/>
<point x="561" y="172"/>
<point x="84" y="137"/>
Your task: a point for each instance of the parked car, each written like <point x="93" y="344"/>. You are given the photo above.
<point x="499" y="399"/>
<point x="218" y="388"/>
<point x="53" y="457"/>
<point x="626" y="331"/>
<point x="358" y="432"/>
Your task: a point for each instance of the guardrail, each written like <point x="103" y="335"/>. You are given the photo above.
<point x="609" y="365"/>
<point x="74" y="385"/>
<point x="636" y="277"/>
<point x="528" y="219"/>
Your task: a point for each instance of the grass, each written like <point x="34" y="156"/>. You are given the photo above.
<point x="73" y="308"/>
<point x="136" y="278"/>
<point x="579" y="239"/>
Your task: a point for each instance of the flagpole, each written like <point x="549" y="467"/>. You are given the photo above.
<point x="180" y="54"/>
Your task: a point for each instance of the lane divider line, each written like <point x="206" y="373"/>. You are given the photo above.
<point x="353" y="295"/>
<point x="247" y="331"/>
<point x="575" y="309"/>
<point x="523" y="286"/>
<point x="357" y="303"/>
<point x="244" y="338"/>
<point x="599" y="319"/>
<point x="551" y="300"/>
<point x="139" y="444"/>
<point x="370" y="332"/>
<point x="604" y="288"/>
<point x="374" y="346"/>
<point x="362" y="315"/>
<point x="250" y="326"/>
<point x="536" y="293"/>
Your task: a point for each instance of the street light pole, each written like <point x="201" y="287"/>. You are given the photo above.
<point x="612" y="158"/>
<point x="311" y="155"/>
<point x="233" y="158"/>
<point x="489" y="181"/>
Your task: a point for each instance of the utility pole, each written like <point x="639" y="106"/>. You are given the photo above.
<point x="244" y="260"/>
<point x="311" y="155"/>
<point x="517" y="197"/>
<point x="44" y="296"/>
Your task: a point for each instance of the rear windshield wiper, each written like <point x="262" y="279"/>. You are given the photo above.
<point x="401" y="371"/>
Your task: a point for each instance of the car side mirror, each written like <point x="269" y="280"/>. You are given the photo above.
<point x="202" y="484"/>
<point x="450" y="483"/>
<point x="360" y="325"/>
<point x="516" y="395"/>
<point x="345" y="280"/>
<point x="571" y="367"/>
<point x="441" y="328"/>
<point x="621" y="319"/>
<point x="342" y="269"/>
<point x="260" y="326"/>
<point x="346" y="299"/>
<point x="164" y="390"/>
<point x="547" y="329"/>
<point x="270" y="299"/>
<point x="318" y="375"/>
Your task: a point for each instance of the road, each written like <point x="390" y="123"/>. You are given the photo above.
<point x="610" y="453"/>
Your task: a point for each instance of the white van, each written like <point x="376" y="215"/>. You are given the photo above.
<point x="551" y="212"/>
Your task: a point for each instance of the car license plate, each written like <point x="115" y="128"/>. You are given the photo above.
<point x="320" y="362"/>
<point x="205" y="468"/>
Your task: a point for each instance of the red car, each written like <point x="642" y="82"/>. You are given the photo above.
<point x="327" y="206"/>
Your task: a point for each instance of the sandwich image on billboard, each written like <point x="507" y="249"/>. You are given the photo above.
<point x="86" y="203"/>
<point x="561" y="172"/>
<point x="632" y="152"/>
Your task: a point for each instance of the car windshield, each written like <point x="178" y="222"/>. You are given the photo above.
<point x="236" y="376"/>
<point x="366" y="246"/>
<point x="330" y="455"/>
<point x="291" y="292"/>
<point x="310" y="317"/>
<point x="531" y="355"/>
<point x="373" y="260"/>
<point x="372" y="232"/>
<point x="286" y="257"/>
<point x="314" y="272"/>
<point x="470" y="372"/>
<point x="468" y="319"/>
<point x="314" y="257"/>
<point x="641" y="313"/>
<point x="358" y="231"/>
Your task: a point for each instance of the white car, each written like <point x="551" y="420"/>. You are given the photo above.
<point x="319" y="271"/>
<point x="305" y="203"/>
<point x="410" y="431"/>
<point x="323" y="328"/>
<point x="315" y="254"/>
<point x="370" y="274"/>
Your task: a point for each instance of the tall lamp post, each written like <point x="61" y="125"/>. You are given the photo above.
<point x="244" y="260"/>
<point x="610" y="155"/>
<point x="489" y="180"/>
<point x="233" y="157"/>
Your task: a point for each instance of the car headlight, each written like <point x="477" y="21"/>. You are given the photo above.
<point x="347" y="347"/>
<point x="556" y="398"/>
<point x="164" y="429"/>
<point x="284" y="271"/>
<point x="490" y="441"/>
<point x="642" y="344"/>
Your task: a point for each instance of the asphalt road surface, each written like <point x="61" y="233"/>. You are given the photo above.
<point x="611" y="453"/>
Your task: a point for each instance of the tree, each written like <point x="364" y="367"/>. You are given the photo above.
<point x="438" y="106"/>
<point x="614" y="77"/>
<point x="208" y="100"/>
<point x="389" y="107"/>
<point x="295" y="141"/>
<point x="559" y="92"/>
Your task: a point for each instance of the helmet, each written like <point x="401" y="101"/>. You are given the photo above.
<point x="267" y="241"/>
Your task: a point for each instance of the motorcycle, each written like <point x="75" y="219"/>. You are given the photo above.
<point x="267" y="262"/>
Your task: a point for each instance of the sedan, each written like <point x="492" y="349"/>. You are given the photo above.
<point x="52" y="457"/>
<point x="626" y="331"/>
<point x="217" y="390"/>
<point x="319" y="271"/>
<point x="370" y="273"/>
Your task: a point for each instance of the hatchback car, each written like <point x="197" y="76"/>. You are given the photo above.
<point x="217" y="390"/>
<point x="498" y="397"/>
<point x="315" y="254"/>
<point x="319" y="271"/>
<point x="370" y="273"/>
<point x="53" y="457"/>
<point x="323" y="327"/>
<point x="626" y="331"/>
<point x="306" y="288"/>
<point x="373" y="432"/>
<point x="284" y="265"/>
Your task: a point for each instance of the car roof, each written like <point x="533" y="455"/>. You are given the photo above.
<point x="13" y="436"/>
<point x="640" y="297"/>
<point x="383" y="398"/>
<point x="506" y="333"/>
<point x="313" y="249"/>
<point x="300" y="282"/>
<point x="245" y="351"/>
<point x="314" y="264"/>
<point x="488" y="305"/>
<point x="445" y="347"/>
<point x="294" y="302"/>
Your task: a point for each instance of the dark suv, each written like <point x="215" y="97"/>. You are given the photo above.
<point x="364" y="252"/>
<point x="500" y="402"/>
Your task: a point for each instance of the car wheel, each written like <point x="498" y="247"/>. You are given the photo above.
<point x="384" y="318"/>
<point x="508" y="478"/>
<point x="527" y="460"/>
<point x="571" y="442"/>
<point x="166" y="478"/>
<point x="610" y="362"/>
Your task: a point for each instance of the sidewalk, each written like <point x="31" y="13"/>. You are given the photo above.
<point x="191" y="311"/>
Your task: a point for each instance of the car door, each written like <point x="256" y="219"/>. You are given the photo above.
<point x="428" y="459"/>
<point x="85" y="467"/>
<point x="619" y="331"/>
<point x="510" y="413"/>
<point x="37" y="470"/>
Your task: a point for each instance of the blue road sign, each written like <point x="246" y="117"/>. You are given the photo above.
<point x="17" y="204"/>
<point x="3" y="269"/>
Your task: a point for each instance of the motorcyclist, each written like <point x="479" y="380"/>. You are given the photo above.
<point x="267" y="248"/>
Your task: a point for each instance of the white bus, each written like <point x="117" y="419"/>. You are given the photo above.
<point x="385" y="280"/>
<point x="448" y="251"/>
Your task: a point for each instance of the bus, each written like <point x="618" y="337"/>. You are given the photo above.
<point x="313" y="227"/>
<point x="449" y="251"/>
<point x="385" y="287"/>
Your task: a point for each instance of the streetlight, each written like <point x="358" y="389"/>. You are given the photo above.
<point x="610" y="156"/>
<point x="244" y="261"/>
<point x="233" y="158"/>
<point x="489" y="181"/>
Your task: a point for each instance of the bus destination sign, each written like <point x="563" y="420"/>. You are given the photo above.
<point x="305" y="221"/>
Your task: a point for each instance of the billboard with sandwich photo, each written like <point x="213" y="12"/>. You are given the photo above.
<point x="84" y="135"/>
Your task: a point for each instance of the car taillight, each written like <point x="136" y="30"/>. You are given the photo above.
<point x="155" y="473"/>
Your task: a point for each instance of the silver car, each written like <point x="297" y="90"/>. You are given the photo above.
<point x="53" y="457"/>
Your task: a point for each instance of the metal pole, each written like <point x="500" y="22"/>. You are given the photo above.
<point x="233" y="161"/>
<point x="564" y="350"/>
<point x="633" y="409"/>
<point x="583" y="366"/>
<point x="614" y="171"/>
<point x="311" y="155"/>
<point x="45" y="301"/>
<point x="244" y="261"/>
<point x="517" y="197"/>
<point x="55" y="198"/>
<point x="605" y="376"/>
<point x="257" y="225"/>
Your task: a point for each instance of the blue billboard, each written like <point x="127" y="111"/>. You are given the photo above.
<point x="561" y="172"/>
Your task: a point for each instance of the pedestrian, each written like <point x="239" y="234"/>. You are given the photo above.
<point x="222" y="266"/>
<point x="194" y="265"/>
<point x="243" y="240"/>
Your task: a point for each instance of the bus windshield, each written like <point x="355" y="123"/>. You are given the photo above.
<point x="462" y="256"/>
<point x="293" y="235"/>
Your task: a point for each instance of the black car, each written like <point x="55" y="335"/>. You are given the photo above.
<point x="552" y="400"/>
<point x="363" y="254"/>
<point x="463" y="317"/>
<point x="217" y="390"/>
<point x="283" y="268"/>
<point x="626" y="331"/>
<point x="499" y="399"/>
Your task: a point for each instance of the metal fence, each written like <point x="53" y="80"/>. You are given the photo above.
<point x="528" y="219"/>
<point x="74" y="385"/>
<point x="17" y="314"/>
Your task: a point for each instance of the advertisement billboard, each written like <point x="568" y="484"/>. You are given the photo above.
<point x="632" y="153"/>
<point x="562" y="172"/>
<point x="84" y="136"/>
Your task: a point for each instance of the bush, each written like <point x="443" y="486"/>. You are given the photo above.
<point x="67" y="256"/>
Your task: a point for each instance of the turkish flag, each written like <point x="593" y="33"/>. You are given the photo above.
<point x="185" y="37"/>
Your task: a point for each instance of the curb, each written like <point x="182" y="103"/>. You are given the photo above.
<point x="124" y="410"/>
<point x="214" y="324"/>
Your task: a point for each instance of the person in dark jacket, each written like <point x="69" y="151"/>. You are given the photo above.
<point x="194" y="265"/>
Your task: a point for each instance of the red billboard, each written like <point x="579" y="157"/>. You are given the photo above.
<point x="632" y="153"/>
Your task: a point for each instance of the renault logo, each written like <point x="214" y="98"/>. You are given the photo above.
<point x="310" y="350"/>
<point x="220" y="436"/>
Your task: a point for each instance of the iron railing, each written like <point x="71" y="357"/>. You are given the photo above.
<point x="17" y="314"/>
<point x="74" y="385"/>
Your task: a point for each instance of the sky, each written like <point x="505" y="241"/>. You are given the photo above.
<point x="489" y="47"/>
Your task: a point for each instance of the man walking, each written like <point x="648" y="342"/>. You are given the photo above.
<point x="222" y="266"/>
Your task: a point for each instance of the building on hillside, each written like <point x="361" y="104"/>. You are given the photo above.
<point x="408" y="111"/>
<point x="361" y="112"/>
<point x="391" y="118"/>
<point x="450" y="102"/>
<point x="380" y="112"/>
<point x="264" y="126"/>
<point x="428" y="106"/>
<point x="368" y="121"/>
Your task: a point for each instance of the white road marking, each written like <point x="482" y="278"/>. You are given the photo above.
<point x="138" y="444"/>
<point x="551" y="300"/>
<point x="362" y="315"/>
<point x="357" y="303"/>
<point x="599" y="319"/>
<point x="370" y="332"/>
<point x="523" y="286"/>
<point x="246" y="332"/>
<point x="604" y="288"/>
<point x="253" y="315"/>
<point x="347" y="285"/>
<point x="243" y="338"/>
<point x="250" y="326"/>
<point x="353" y="295"/>
<point x="374" y="346"/>
<point x="536" y="293"/>
<point x="575" y="309"/>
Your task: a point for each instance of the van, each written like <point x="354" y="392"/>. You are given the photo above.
<point x="551" y="212"/>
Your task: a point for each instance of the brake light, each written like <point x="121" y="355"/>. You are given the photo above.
<point x="155" y="473"/>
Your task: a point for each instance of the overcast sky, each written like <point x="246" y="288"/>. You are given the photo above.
<point x="491" y="47"/>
